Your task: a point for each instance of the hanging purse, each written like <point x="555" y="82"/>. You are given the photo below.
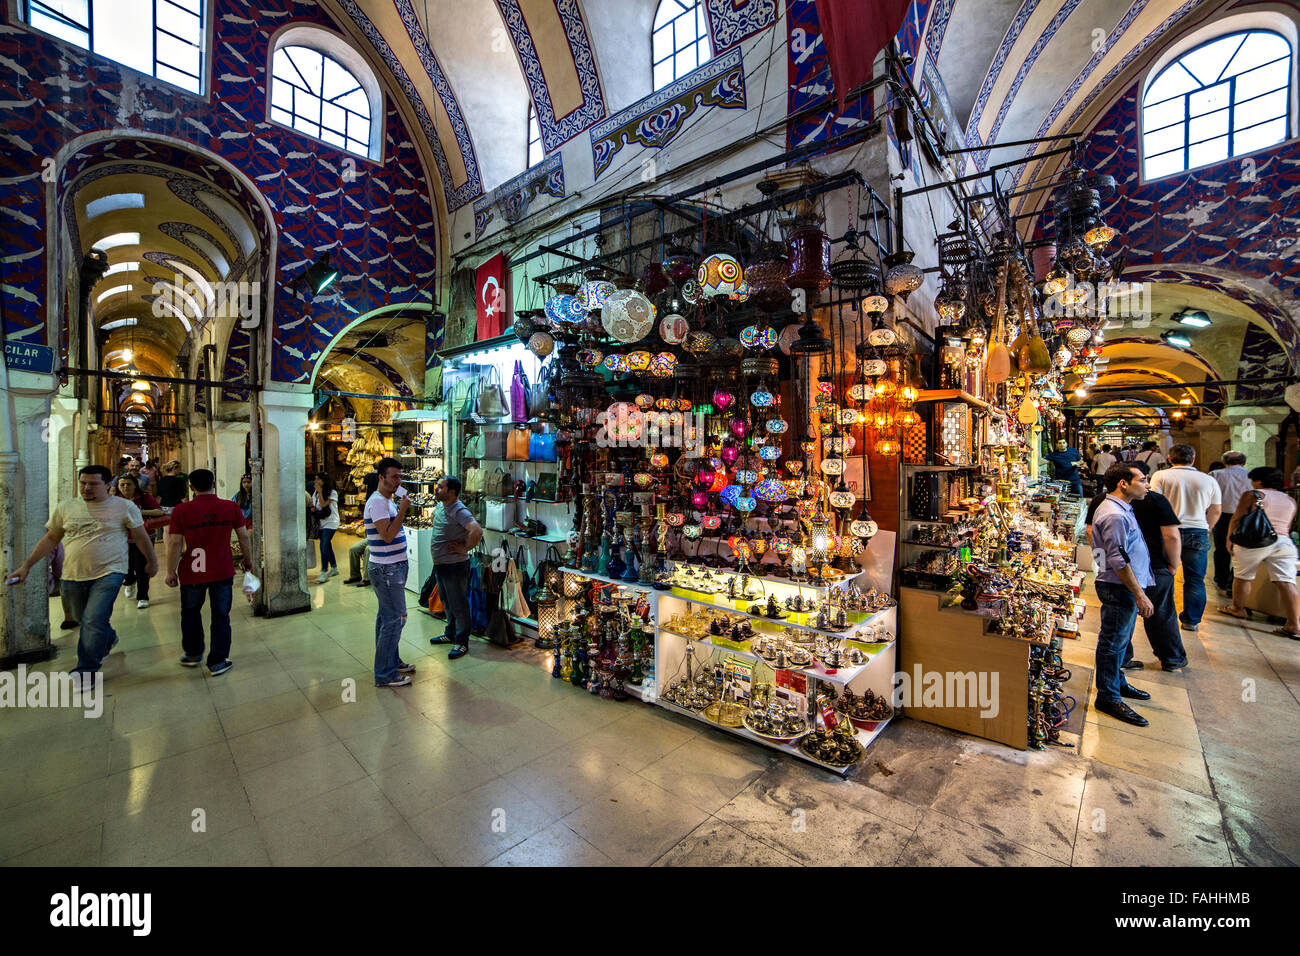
<point x="491" y="399"/>
<point x="517" y="445"/>
<point x="541" y="447"/>
<point x="476" y="445"/>
<point x="539" y="401"/>
<point x="1254" y="530"/>
<point x="494" y="447"/>
<point x="469" y="403"/>
<point x="519" y="393"/>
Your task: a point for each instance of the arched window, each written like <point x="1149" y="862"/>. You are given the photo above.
<point x="535" y="151"/>
<point x="321" y="87"/>
<point x="162" y="38"/>
<point x="1226" y="97"/>
<point x="680" y="41"/>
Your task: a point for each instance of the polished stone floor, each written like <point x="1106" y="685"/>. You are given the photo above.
<point x="488" y="760"/>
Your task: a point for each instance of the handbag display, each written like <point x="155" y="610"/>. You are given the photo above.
<point x="519" y="393"/>
<point x="542" y="447"/>
<point x="491" y="398"/>
<point x="473" y="480"/>
<point x="469" y="400"/>
<point x="539" y="399"/>
<point x="494" y="444"/>
<point x="500" y="515"/>
<point x="476" y="445"/>
<point x="518" y="444"/>
<point x="1254" y="530"/>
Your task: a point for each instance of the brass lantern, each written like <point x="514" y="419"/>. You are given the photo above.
<point x="548" y="616"/>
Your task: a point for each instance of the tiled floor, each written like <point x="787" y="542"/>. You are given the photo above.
<point x="488" y="760"/>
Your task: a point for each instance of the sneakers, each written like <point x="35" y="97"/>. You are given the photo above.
<point x="460" y="650"/>
<point x="188" y="661"/>
<point x="441" y="639"/>
<point x="406" y="668"/>
<point x="323" y="577"/>
<point x="130" y="591"/>
<point x="141" y="604"/>
<point x="400" y="681"/>
<point x="218" y="669"/>
<point x="1188" y="627"/>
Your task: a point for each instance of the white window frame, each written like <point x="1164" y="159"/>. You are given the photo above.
<point x="541" y="147"/>
<point x="336" y="48"/>
<point x="698" y="15"/>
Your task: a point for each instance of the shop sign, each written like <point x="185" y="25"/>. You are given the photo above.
<point x="21" y="357"/>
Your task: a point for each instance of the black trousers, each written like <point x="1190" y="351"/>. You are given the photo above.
<point x="135" y="574"/>
<point x="1222" y="559"/>
<point x="1163" y="635"/>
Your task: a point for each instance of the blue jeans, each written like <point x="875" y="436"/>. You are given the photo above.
<point x="1118" y="615"/>
<point x="91" y="603"/>
<point x="453" y="590"/>
<point x="389" y="582"/>
<point x="192" y="596"/>
<point x="1196" y="552"/>
<point x="327" y="559"/>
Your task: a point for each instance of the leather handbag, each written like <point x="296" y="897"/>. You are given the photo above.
<point x="473" y="480"/>
<point x="469" y="400"/>
<point x="517" y="445"/>
<point x="476" y="445"/>
<point x="500" y="514"/>
<point x="494" y="447"/>
<point x="519" y="393"/>
<point x="539" y="399"/>
<point x="1255" y="530"/>
<point x="541" y="447"/>
<point x="491" y="399"/>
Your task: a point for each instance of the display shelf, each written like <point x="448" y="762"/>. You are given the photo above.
<point x="933" y="544"/>
<point x="782" y="622"/>
<point x="957" y="395"/>
<point x="517" y="461"/>
<point x="865" y="737"/>
<point x="643" y="693"/>
<point x="843" y="583"/>
<point x="606" y="580"/>
<point x="843" y="676"/>
<point x="547" y="539"/>
<point x="925" y="467"/>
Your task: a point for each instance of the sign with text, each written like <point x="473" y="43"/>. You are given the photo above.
<point x="21" y="357"/>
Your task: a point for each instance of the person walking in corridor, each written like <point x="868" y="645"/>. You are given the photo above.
<point x="1126" y="572"/>
<point x="137" y="582"/>
<point x="324" y="502"/>
<point x="455" y="533"/>
<point x="206" y="568"/>
<point x="94" y="529"/>
<point x="1198" y="501"/>
<point x="1233" y="483"/>
<point x="388" y="566"/>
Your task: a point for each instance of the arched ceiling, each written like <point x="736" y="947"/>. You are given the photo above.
<point x="385" y="352"/>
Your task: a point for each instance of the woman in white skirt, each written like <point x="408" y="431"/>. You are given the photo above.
<point x="1279" y="558"/>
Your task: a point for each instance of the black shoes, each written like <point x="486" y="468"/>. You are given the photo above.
<point x="1132" y="693"/>
<point x="1173" y="665"/>
<point x="1122" y="711"/>
<point x="460" y="650"/>
<point x="1133" y="665"/>
<point x="351" y="580"/>
<point x="68" y="625"/>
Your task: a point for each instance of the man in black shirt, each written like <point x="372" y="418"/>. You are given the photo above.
<point x="1159" y="527"/>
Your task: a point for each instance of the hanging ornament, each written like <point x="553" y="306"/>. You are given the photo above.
<point x="776" y="426"/>
<point x="663" y="365"/>
<point x="628" y="316"/>
<point x="541" y="344"/>
<point x="864" y="528"/>
<point x="723" y="400"/>
<point x="902" y="278"/>
<point x="762" y="398"/>
<point x="739" y="427"/>
<point x="746" y="503"/>
<point x="772" y="490"/>
<point x="699" y="342"/>
<point x="673" y="329"/>
<point x="719" y="274"/>
<point x="594" y="293"/>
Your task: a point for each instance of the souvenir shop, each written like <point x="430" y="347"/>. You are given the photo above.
<point x="743" y="483"/>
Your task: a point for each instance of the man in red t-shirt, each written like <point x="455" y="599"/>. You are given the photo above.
<point x="206" y="567"/>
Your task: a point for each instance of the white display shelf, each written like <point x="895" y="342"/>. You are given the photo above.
<point x="849" y="632"/>
<point x="606" y="580"/>
<point x="843" y="583"/>
<point x="865" y="737"/>
<point x="843" y="676"/>
<point x="545" y="539"/>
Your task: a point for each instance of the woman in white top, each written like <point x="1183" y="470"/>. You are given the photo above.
<point x="1151" y="456"/>
<point x="1279" y="557"/>
<point x="325" y="503"/>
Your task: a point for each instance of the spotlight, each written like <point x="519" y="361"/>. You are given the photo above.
<point x="1178" y="339"/>
<point x="1080" y="392"/>
<point x="320" y="275"/>
<point x="1196" y="318"/>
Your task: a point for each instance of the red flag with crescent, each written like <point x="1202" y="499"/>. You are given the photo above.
<point x="492" y="298"/>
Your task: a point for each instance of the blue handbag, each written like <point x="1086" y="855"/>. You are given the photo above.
<point x="478" y="611"/>
<point x="541" y="447"/>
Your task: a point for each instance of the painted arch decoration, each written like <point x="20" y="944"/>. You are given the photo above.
<point x="571" y="101"/>
<point x="731" y="21"/>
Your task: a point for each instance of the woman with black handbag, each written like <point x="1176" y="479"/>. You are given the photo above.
<point x="324" y="505"/>
<point x="1259" y="534"/>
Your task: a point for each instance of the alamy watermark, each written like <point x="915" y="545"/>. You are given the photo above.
<point x="181" y="296"/>
<point x="1122" y="301"/>
<point x="956" y="689"/>
<point x="630" y="427"/>
<point x="23" y="688"/>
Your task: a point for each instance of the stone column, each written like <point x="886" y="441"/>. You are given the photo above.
<point x="230" y="437"/>
<point x="62" y="464"/>
<point x="285" y="408"/>
<point x="24" y="509"/>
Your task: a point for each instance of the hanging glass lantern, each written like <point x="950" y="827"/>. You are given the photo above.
<point x="832" y="466"/>
<point x="746" y="477"/>
<point x="886" y="446"/>
<point x="699" y="499"/>
<point x="842" y="498"/>
<point x="746" y="504"/>
<point x="711" y="522"/>
<point x="673" y="328"/>
<point x="699" y="342"/>
<point x="795" y="487"/>
<point x="541" y="344"/>
<point x="616" y="363"/>
<point x="807" y="444"/>
<point x="639" y="360"/>
<point x="742" y="293"/>
<point x="902" y="278"/>
<point x="719" y="274"/>
<point x="772" y="490"/>
<point x="776" y="426"/>
<point x="739" y="427"/>
<point x="594" y="293"/>
<point x="565" y="309"/>
<point x="908" y="418"/>
<point x="722" y="400"/>
<point x="759" y="546"/>
<point x="769" y="452"/>
<point x="783" y="545"/>
<point x="663" y="365"/>
<point x="874" y="305"/>
<point x="645" y="402"/>
<point x="729" y="454"/>
<point x="628" y="316"/>
<point x="730" y="493"/>
<point x="658" y="460"/>
<point x="862" y="392"/>
<point x="675" y="519"/>
<point x="691" y="532"/>
<point x="590" y="358"/>
<point x="794" y="466"/>
<point x="848" y="416"/>
<point x="643" y="479"/>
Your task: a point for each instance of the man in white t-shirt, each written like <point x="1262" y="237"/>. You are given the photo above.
<point x="1197" y="500"/>
<point x="94" y="529"/>
<point x="1233" y="482"/>
<point x="1151" y="456"/>
<point x="387" y="567"/>
<point x="1102" y="461"/>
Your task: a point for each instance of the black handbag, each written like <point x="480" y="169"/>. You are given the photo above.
<point x="1255" y="530"/>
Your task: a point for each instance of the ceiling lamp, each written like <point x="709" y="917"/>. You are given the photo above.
<point x="320" y="275"/>
<point x="902" y="278"/>
<point x="1196" y="318"/>
<point x="140" y="385"/>
<point x="1178" y="339"/>
<point x="811" y="340"/>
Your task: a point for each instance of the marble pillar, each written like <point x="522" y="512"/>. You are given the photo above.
<point x="283" y="512"/>
<point x="231" y="460"/>
<point x="24" y="509"/>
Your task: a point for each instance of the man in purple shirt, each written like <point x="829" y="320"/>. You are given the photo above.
<point x="1121" y="554"/>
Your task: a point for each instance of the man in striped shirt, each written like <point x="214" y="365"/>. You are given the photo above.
<point x="387" y="566"/>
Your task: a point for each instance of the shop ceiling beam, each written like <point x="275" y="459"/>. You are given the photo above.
<point x="1110" y="389"/>
<point x="146" y="377"/>
<point x="789" y="156"/>
<point x="1015" y="142"/>
<point x="803" y="192"/>
<point x="390" y="398"/>
<point x="972" y="177"/>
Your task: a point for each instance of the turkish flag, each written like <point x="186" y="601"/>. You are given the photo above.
<point x="492" y="298"/>
<point x="854" y="31"/>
